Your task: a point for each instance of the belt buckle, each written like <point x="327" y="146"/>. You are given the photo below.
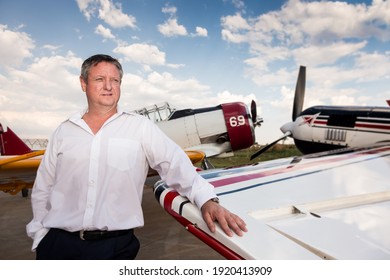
<point x="82" y="234"/>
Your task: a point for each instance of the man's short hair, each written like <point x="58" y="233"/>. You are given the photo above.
<point x="96" y="59"/>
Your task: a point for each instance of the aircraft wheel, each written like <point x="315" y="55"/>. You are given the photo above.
<point x="24" y="192"/>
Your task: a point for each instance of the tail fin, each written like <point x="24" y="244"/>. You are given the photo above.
<point x="11" y="144"/>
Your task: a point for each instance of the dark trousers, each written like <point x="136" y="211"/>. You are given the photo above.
<point x="61" y="245"/>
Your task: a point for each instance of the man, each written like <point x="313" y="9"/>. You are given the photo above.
<point x="87" y="195"/>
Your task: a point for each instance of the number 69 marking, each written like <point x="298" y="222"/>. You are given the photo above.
<point x="237" y="121"/>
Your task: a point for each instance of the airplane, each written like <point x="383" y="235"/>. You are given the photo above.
<point x="216" y="131"/>
<point x="202" y="133"/>
<point x="332" y="202"/>
<point x="18" y="163"/>
<point x="11" y="144"/>
<point x="323" y="128"/>
<point x="328" y="205"/>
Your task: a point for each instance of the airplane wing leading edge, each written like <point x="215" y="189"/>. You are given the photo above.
<point x="322" y="206"/>
<point x="17" y="173"/>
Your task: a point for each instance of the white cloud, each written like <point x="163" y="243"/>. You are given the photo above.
<point x="201" y="32"/>
<point x="233" y="37"/>
<point x="376" y="64"/>
<point x="53" y="49"/>
<point x="235" y="23"/>
<point x="171" y="28"/>
<point x="138" y="91"/>
<point x="312" y="55"/>
<point x="169" y="10"/>
<point x="169" y="83"/>
<point x="226" y="97"/>
<point x="145" y="54"/>
<point x="239" y="4"/>
<point x="39" y="97"/>
<point x="43" y="82"/>
<point x="11" y="55"/>
<point x="87" y="7"/>
<point x="107" y="11"/>
<point x="142" y="53"/>
<point x="309" y="23"/>
<point x="112" y="14"/>
<point x="328" y="19"/>
<point x="317" y="34"/>
<point x="314" y="33"/>
<point x="235" y="29"/>
<point x="155" y="88"/>
<point x="344" y="100"/>
<point x="104" y="32"/>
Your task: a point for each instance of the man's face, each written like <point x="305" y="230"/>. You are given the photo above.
<point x="103" y="86"/>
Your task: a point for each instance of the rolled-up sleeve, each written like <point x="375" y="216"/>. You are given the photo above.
<point x="174" y="167"/>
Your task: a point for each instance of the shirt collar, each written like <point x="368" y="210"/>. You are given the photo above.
<point x="77" y="117"/>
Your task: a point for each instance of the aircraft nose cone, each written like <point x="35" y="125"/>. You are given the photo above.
<point x="288" y="127"/>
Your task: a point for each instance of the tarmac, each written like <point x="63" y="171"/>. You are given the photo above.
<point x="162" y="238"/>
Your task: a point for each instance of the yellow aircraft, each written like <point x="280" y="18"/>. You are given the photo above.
<point x="17" y="173"/>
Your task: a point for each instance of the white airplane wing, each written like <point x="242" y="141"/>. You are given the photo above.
<point x="323" y="206"/>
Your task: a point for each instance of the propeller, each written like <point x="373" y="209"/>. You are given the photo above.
<point x="265" y="148"/>
<point x="255" y="119"/>
<point x="299" y="97"/>
<point x="299" y="93"/>
<point x="253" y="111"/>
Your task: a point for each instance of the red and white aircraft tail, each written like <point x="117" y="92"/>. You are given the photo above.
<point x="11" y="144"/>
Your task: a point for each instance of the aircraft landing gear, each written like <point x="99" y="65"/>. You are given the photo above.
<point x="24" y="192"/>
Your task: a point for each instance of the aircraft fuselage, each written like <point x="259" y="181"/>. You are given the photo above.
<point x="213" y="130"/>
<point x="322" y="128"/>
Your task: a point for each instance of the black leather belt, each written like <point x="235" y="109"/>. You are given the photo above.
<point x="98" y="234"/>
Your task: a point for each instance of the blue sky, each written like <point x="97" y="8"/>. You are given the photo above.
<point x="192" y="53"/>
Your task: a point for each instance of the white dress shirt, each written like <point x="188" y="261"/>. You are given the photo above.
<point x="92" y="181"/>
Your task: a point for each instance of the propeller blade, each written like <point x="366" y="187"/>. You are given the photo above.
<point x="254" y="111"/>
<point x="299" y="93"/>
<point x="265" y="148"/>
